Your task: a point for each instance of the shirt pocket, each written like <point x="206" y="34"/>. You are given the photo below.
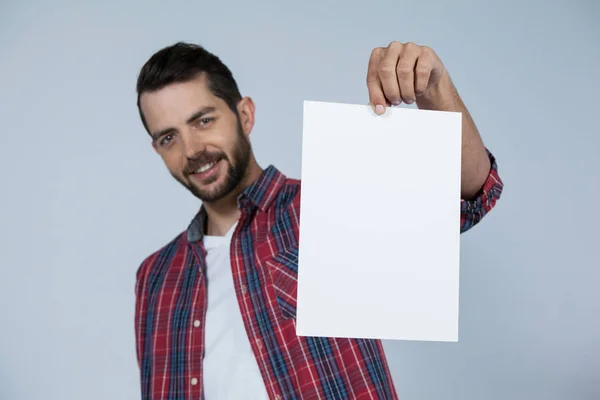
<point x="283" y="269"/>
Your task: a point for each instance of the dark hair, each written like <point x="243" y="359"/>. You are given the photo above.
<point x="183" y="62"/>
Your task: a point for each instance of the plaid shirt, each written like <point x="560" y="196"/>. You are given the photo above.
<point x="171" y="305"/>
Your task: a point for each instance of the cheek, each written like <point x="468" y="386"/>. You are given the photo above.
<point x="173" y="162"/>
<point x="234" y="146"/>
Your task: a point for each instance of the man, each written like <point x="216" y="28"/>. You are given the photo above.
<point x="215" y="308"/>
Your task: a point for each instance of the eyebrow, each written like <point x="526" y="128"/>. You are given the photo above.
<point x="198" y="114"/>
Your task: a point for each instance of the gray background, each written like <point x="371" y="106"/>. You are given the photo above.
<point x="84" y="198"/>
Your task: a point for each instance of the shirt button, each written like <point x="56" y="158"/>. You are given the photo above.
<point x="244" y="290"/>
<point x="194" y="381"/>
<point x="197" y="323"/>
<point x="278" y="397"/>
<point x="259" y="344"/>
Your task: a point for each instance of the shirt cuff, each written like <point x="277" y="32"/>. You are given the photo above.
<point x="472" y="211"/>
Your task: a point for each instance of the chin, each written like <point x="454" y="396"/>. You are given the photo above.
<point x="212" y="192"/>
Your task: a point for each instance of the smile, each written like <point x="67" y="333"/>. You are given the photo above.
<point x="205" y="167"/>
<point x="206" y="171"/>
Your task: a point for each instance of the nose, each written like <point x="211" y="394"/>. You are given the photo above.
<point x="192" y="146"/>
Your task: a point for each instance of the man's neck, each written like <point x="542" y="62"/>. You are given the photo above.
<point x="218" y="224"/>
<point x="221" y="215"/>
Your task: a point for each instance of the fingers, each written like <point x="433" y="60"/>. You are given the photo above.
<point x="377" y="97"/>
<point x="406" y="72"/>
<point x="399" y="73"/>
<point x="423" y="69"/>
<point x="388" y="75"/>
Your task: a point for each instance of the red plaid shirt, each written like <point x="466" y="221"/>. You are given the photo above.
<point x="171" y="306"/>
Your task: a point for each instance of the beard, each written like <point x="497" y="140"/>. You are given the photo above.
<point x="237" y="167"/>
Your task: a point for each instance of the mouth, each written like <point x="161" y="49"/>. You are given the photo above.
<point x="204" y="171"/>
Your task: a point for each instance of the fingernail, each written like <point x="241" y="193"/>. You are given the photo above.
<point x="409" y="101"/>
<point x="379" y="109"/>
<point x="396" y="102"/>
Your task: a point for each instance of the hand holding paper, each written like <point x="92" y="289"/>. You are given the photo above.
<point x="402" y="72"/>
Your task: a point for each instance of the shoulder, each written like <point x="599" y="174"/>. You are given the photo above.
<point x="289" y="194"/>
<point x="161" y="257"/>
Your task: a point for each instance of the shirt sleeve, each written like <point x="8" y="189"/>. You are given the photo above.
<point x="140" y="311"/>
<point x="472" y="211"/>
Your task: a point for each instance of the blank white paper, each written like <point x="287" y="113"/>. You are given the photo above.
<point x="379" y="223"/>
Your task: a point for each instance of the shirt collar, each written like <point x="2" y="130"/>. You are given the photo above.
<point x="259" y="193"/>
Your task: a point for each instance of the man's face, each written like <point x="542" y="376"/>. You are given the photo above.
<point x="201" y="141"/>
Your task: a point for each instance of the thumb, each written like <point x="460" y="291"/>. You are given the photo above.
<point x="376" y="97"/>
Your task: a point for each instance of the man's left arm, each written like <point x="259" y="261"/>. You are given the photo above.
<point x="411" y="73"/>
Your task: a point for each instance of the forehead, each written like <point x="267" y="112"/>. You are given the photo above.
<point x="172" y="105"/>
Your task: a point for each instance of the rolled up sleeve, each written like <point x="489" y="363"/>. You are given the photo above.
<point x="472" y="211"/>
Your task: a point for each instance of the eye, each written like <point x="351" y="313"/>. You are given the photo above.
<point x="205" y="121"/>
<point x="165" y="140"/>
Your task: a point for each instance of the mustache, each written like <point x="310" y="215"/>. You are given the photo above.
<point x="201" y="159"/>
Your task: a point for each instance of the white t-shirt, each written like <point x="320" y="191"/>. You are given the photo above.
<point x="230" y="368"/>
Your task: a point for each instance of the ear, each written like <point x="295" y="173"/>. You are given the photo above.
<point x="246" y="109"/>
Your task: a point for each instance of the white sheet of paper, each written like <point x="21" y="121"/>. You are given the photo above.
<point x="379" y="223"/>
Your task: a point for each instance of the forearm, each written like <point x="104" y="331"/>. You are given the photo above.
<point x="475" y="160"/>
